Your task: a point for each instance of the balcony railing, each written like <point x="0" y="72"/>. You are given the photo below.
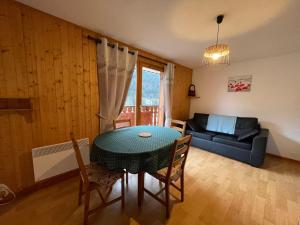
<point x="149" y="114"/>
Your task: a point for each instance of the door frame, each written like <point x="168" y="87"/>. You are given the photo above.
<point x="141" y="62"/>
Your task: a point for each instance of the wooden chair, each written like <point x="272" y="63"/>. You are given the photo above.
<point x="123" y="123"/>
<point x="179" y="126"/>
<point x="95" y="177"/>
<point x="173" y="172"/>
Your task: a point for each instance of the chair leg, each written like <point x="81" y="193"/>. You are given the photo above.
<point x="123" y="192"/>
<point x="160" y="184"/>
<point x="182" y="187"/>
<point x="86" y="206"/>
<point x="167" y="200"/>
<point x="80" y="192"/>
<point x="126" y="177"/>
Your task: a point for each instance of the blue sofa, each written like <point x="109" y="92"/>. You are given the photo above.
<point x="246" y="143"/>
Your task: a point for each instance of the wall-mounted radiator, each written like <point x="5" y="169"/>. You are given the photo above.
<point x="52" y="160"/>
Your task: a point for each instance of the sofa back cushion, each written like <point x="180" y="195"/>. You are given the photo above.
<point x="191" y="125"/>
<point x="245" y="124"/>
<point x="242" y="125"/>
<point x="200" y="120"/>
<point x="221" y="123"/>
<point x="248" y="134"/>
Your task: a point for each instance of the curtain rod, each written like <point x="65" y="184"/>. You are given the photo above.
<point x="96" y="40"/>
<point x="108" y="43"/>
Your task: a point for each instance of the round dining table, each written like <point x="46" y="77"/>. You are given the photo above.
<point x="127" y="148"/>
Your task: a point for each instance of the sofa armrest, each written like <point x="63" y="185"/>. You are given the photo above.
<point x="259" y="145"/>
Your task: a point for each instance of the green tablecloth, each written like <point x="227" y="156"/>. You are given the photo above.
<point x="124" y="149"/>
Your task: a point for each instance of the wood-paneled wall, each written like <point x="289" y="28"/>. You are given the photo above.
<point x="181" y="101"/>
<point x="52" y="62"/>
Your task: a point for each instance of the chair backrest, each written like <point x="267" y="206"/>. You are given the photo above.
<point x="83" y="172"/>
<point x="179" y="154"/>
<point x="179" y="126"/>
<point x="122" y="123"/>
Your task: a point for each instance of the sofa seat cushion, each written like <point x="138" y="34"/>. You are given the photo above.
<point x="231" y="140"/>
<point x="207" y="135"/>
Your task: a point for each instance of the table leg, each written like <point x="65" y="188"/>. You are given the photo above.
<point x="141" y="176"/>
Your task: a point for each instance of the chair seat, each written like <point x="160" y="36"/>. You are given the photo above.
<point x="162" y="173"/>
<point x="101" y="176"/>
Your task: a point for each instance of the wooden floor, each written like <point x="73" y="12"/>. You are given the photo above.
<point x="218" y="191"/>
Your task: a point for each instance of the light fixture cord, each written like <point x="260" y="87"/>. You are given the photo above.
<point x="218" y="34"/>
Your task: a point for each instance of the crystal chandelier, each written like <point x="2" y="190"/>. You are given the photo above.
<point x="218" y="53"/>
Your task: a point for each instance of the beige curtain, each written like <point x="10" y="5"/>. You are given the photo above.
<point x="168" y="81"/>
<point x="115" y="69"/>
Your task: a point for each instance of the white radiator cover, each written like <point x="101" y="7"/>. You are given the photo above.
<point x="52" y="160"/>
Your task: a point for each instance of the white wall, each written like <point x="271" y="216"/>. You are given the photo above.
<point x="274" y="98"/>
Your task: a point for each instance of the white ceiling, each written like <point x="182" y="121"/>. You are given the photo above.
<point x="180" y="29"/>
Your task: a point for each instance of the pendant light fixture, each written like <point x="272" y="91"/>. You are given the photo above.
<point x="218" y="53"/>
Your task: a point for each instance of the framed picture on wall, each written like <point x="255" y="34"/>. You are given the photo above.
<point x="240" y="83"/>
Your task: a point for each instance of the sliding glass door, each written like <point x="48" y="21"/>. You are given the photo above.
<point x="144" y="103"/>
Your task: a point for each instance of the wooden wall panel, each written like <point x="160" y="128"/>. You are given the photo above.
<point x="14" y="126"/>
<point x="181" y="101"/>
<point x="52" y="62"/>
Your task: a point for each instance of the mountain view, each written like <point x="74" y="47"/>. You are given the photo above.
<point x="150" y="88"/>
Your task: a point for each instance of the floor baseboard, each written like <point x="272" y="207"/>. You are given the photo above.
<point x="282" y="157"/>
<point x="48" y="182"/>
